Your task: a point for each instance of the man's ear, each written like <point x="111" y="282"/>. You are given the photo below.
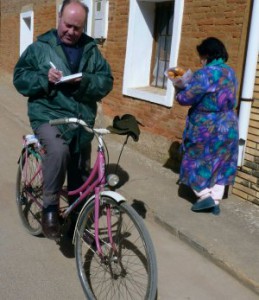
<point x="59" y="18"/>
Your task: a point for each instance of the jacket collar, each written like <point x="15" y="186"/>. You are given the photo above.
<point x="52" y="38"/>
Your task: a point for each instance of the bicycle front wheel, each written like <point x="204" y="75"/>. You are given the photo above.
<point x="125" y="270"/>
<point x="29" y="192"/>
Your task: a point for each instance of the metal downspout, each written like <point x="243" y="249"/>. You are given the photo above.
<point x="248" y="81"/>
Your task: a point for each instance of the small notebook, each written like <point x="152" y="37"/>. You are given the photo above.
<point x="69" y="77"/>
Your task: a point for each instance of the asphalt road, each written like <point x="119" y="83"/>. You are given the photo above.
<point x="37" y="268"/>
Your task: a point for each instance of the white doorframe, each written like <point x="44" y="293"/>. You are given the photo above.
<point x="26" y="29"/>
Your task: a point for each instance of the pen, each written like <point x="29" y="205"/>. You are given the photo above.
<point x="52" y="65"/>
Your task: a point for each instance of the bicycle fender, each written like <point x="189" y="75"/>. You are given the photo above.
<point x="110" y="194"/>
<point x="113" y="195"/>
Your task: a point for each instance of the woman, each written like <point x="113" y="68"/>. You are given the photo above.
<point x="210" y="139"/>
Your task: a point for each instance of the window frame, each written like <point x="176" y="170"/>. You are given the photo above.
<point x="26" y="34"/>
<point x="91" y="19"/>
<point x="136" y="79"/>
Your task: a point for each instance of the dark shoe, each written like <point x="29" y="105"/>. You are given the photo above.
<point x="50" y="222"/>
<point x="204" y="205"/>
<point x="71" y="229"/>
<point x="216" y="210"/>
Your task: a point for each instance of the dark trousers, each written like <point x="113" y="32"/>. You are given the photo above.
<point x="59" y="161"/>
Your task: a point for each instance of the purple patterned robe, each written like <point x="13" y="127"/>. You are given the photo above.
<point x="210" y="139"/>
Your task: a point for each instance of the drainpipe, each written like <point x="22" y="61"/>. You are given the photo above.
<point x="248" y="81"/>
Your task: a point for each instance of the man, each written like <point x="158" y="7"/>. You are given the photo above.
<point x="58" y="53"/>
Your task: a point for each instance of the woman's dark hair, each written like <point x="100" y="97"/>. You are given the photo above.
<point x="212" y="48"/>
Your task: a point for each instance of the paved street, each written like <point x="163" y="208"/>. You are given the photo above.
<point x="37" y="268"/>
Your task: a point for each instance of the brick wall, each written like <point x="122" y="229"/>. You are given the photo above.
<point x="44" y="18"/>
<point x="224" y="19"/>
<point x="157" y="119"/>
<point x="247" y="181"/>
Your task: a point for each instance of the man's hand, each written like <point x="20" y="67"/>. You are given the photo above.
<point x="54" y="75"/>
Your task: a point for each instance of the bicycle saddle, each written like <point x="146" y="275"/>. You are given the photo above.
<point x="126" y="125"/>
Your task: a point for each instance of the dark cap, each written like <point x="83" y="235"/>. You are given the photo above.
<point x="126" y="125"/>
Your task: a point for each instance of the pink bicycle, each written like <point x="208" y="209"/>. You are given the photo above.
<point x="114" y="253"/>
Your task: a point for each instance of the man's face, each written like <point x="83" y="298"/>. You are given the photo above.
<point x="71" y="23"/>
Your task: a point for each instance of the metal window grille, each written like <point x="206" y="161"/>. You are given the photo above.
<point x="163" y="38"/>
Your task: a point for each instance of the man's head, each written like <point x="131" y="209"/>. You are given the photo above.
<point x="72" y="20"/>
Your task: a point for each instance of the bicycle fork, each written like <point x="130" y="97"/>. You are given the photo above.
<point x="96" y="226"/>
<point x="98" y="189"/>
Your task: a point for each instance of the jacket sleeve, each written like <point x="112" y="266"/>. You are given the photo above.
<point x="30" y="79"/>
<point x="195" y="90"/>
<point x="95" y="84"/>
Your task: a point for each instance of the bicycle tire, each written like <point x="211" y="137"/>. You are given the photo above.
<point x="28" y="210"/>
<point x="131" y="273"/>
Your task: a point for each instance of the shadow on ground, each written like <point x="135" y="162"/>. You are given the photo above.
<point x="175" y="157"/>
<point x="139" y="207"/>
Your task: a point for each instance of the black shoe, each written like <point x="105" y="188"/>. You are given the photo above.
<point x="50" y="222"/>
<point x="71" y="229"/>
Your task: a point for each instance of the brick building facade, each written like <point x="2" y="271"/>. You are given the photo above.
<point x="164" y="122"/>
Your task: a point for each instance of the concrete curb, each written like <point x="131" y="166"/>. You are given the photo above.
<point x="239" y="275"/>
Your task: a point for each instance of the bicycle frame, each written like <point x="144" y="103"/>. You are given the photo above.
<point x="95" y="182"/>
<point x="111" y="242"/>
<point x="94" y="186"/>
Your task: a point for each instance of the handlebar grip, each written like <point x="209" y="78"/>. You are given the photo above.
<point x="58" y="121"/>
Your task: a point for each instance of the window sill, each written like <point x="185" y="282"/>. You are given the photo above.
<point x="149" y="93"/>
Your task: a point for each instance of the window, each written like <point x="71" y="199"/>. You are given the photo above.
<point x="162" y="42"/>
<point x="144" y="63"/>
<point x="97" y="23"/>
<point x="26" y="30"/>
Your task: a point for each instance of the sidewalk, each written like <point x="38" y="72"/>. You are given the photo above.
<point x="231" y="240"/>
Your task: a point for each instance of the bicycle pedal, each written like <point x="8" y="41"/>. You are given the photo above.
<point x="87" y="238"/>
<point x="58" y="240"/>
<point x="23" y="200"/>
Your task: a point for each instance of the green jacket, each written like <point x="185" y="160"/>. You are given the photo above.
<point x="47" y="101"/>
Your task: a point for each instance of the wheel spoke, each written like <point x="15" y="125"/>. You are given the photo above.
<point x="127" y="271"/>
<point x="29" y="192"/>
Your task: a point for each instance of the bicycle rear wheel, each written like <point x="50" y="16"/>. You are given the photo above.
<point x="127" y="272"/>
<point x="29" y="191"/>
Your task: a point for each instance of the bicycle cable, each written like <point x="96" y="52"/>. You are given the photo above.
<point x="122" y="148"/>
<point x="108" y="158"/>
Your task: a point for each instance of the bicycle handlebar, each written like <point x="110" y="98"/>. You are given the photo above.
<point x="58" y="121"/>
<point x="80" y="122"/>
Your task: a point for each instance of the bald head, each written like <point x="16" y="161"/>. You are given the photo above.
<point x="66" y="2"/>
<point x="72" y="20"/>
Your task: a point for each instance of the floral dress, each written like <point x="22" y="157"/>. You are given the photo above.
<point x="210" y="138"/>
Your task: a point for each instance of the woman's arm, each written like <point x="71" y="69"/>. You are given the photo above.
<point x="195" y="90"/>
